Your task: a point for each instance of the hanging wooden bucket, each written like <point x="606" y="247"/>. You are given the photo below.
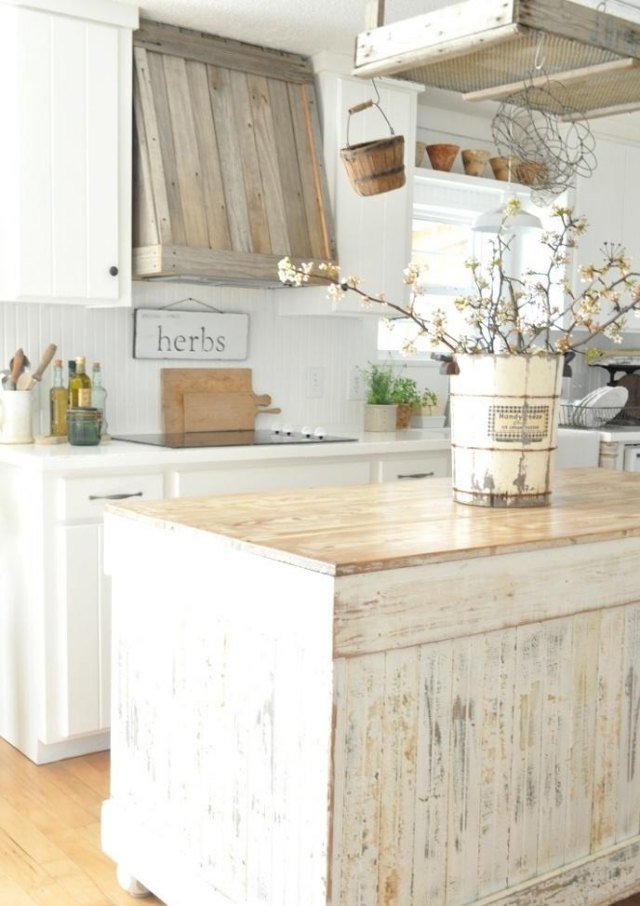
<point x="374" y="167"/>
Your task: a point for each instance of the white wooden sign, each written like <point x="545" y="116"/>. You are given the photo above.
<point x="173" y="334"/>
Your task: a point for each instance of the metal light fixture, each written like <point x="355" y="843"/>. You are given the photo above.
<point x="495" y="221"/>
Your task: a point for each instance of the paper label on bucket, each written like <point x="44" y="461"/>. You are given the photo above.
<point x="518" y="424"/>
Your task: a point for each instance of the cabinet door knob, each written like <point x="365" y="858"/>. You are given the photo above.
<point x="113" y="270"/>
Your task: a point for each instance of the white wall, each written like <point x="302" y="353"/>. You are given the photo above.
<point x="280" y="350"/>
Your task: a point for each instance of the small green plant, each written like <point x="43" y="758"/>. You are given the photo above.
<point x="428" y="399"/>
<point x="381" y="383"/>
<point x="405" y="392"/>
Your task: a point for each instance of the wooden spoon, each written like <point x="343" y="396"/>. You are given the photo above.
<point x="17" y="363"/>
<point x="28" y="381"/>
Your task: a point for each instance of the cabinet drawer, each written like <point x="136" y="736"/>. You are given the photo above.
<point x="86" y="498"/>
<point x="267" y="477"/>
<point x="422" y="465"/>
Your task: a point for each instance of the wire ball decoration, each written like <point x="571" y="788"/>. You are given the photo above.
<point x="549" y="139"/>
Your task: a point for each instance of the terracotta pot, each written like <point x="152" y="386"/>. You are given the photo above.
<point x="504" y="168"/>
<point x="530" y="172"/>
<point x="403" y="415"/>
<point x="442" y="156"/>
<point x="474" y="161"/>
<point x="420" y="151"/>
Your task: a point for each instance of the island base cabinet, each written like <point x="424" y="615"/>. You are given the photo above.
<point x="221" y="715"/>
<point x="283" y="735"/>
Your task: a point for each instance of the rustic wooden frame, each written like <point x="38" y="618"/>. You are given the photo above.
<point x="416" y="48"/>
<point x="229" y="175"/>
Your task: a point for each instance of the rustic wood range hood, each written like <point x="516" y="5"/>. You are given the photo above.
<point x="228" y="168"/>
<point x="483" y="50"/>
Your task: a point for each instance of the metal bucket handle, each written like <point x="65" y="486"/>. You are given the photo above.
<point x="365" y="106"/>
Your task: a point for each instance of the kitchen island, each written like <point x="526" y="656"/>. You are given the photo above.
<point x="372" y="696"/>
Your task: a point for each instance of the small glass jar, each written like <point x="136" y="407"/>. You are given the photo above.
<point x="84" y="426"/>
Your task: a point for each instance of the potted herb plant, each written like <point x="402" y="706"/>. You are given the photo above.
<point x="381" y="406"/>
<point x="407" y="396"/>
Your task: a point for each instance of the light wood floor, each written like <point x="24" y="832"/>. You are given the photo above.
<point x="50" y="834"/>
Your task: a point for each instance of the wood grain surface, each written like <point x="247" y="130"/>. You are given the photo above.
<point x="56" y="840"/>
<point x="384" y="526"/>
<point x="227" y="139"/>
<point x="210" y="399"/>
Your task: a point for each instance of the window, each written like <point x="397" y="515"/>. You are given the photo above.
<point x="443" y="241"/>
<point x="445" y="208"/>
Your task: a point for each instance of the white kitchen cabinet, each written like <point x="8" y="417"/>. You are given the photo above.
<point x="65" y="85"/>
<point x="607" y="200"/>
<point x="55" y="618"/>
<point x="268" y="476"/>
<point x="405" y="467"/>
<point x="55" y="615"/>
<point x="373" y="233"/>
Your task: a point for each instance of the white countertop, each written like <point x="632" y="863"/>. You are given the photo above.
<point x="112" y="453"/>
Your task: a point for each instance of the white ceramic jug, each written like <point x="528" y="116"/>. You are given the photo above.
<point x="16" y="417"/>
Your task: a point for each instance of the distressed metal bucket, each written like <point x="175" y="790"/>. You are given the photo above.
<point x="504" y="417"/>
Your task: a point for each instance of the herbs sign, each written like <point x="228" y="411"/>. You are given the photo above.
<point x="190" y="335"/>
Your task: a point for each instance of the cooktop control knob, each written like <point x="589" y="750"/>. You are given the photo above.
<point x="287" y="429"/>
<point x="306" y="431"/>
<point x="319" y="432"/>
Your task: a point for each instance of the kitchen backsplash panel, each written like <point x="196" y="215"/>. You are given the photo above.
<point x="281" y="349"/>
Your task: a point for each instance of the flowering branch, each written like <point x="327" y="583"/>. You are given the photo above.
<point x="505" y="313"/>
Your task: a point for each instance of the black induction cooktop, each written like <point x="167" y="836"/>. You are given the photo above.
<point x="229" y="439"/>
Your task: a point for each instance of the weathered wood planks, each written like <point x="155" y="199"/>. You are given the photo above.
<point x="470" y="767"/>
<point x="227" y="157"/>
<point x="452" y="729"/>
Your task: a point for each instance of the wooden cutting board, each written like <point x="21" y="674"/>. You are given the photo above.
<point x="223" y="411"/>
<point x="177" y="382"/>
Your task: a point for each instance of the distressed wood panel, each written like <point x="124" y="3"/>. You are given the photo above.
<point x="266" y="141"/>
<point x="629" y="776"/>
<point x="433" y="771"/>
<point x="410" y="606"/>
<point x="214" y="199"/>
<point x="221" y="97"/>
<point x="289" y="169"/>
<point x="187" y="160"/>
<point x="235" y="156"/>
<point x="466" y="769"/>
<point x="261" y="61"/>
<point x="167" y="176"/>
<point x="252" y="177"/>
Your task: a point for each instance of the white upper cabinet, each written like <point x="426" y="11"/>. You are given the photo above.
<point x="607" y="199"/>
<point x="373" y="233"/>
<point x="65" y="85"/>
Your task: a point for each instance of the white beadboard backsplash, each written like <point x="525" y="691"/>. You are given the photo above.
<point x="280" y="351"/>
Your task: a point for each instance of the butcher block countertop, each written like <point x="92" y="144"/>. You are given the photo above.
<point x="341" y="531"/>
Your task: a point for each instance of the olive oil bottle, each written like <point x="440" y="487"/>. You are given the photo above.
<point x="58" y="399"/>
<point x="80" y="386"/>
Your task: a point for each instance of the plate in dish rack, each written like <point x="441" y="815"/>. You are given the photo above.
<point x="600" y="406"/>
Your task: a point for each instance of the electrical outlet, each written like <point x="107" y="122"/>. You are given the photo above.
<point x="315" y="382"/>
<point x="355" y="390"/>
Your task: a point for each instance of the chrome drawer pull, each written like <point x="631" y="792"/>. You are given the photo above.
<point x="418" y="475"/>
<point x="114" y="496"/>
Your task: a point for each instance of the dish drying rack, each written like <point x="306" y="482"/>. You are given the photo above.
<point x="588" y="417"/>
